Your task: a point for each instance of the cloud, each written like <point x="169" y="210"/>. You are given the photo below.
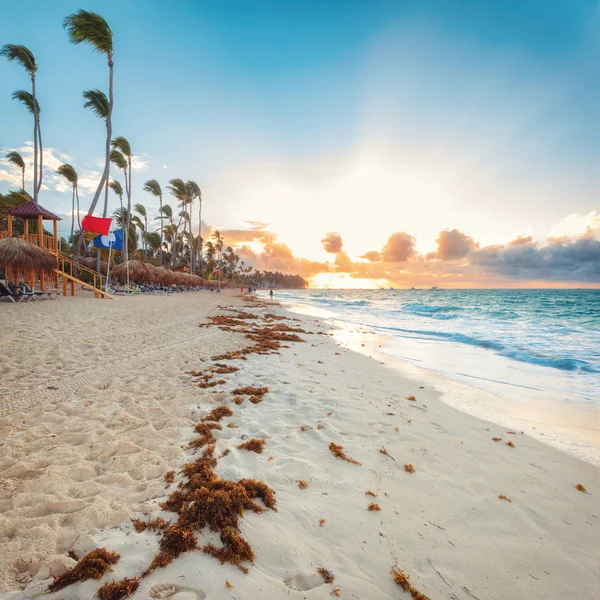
<point x="332" y="243"/>
<point x="257" y="225"/>
<point x="559" y="260"/>
<point x="234" y="237"/>
<point x="400" y="246"/>
<point x="139" y="162"/>
<point x="372" y="256"/>
<point x="52" y="159"/>
<point x="453" y="245"/>
<point x="277" y="256"/>
<point x="577" y="225"/>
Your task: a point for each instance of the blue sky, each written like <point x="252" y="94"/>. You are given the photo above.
<point x="363" y="117"/>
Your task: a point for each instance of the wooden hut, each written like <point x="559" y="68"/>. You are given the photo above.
<point x="33" y="212"/>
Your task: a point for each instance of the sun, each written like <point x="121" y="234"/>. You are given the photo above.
<point x="344" y="281"/>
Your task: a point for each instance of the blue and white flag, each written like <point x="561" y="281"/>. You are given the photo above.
<point x="113" y="240"/>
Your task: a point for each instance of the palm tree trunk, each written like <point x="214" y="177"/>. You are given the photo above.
<point x="200" y="231"/>
<point x="40" y="152"/>
<point x="145" y="239"/>
<point x="35" y="141"/>
<point x="77" y="201"/>
<point x="23" y="178"/>
<point x="73" y="214"/>
<point x="104" y="178"/>
<point x="161" y="231"/>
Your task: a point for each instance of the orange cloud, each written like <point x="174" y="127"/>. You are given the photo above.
<point x="332" y="243"/>
<point x="453" y="245"/>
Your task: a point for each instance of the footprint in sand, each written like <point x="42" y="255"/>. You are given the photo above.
<point x="304" y="582"/>
<point x="174" y="592"/>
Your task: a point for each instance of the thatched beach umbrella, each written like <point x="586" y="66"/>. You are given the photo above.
<point x="165" y="275"/>
<point x="138" y="271"/>
<point x="17" y="253"/>
<point x="90" y="263"/>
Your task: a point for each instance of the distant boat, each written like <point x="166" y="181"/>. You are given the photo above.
<point x="435" y="287"/>
<point x="413" y="288"/>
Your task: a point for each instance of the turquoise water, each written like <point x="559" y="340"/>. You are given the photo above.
<point x="511" y="342"/>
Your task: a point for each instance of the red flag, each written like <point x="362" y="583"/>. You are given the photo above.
<point x="96" y="224"/>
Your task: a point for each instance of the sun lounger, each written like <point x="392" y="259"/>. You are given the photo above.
<point x="6" y="293"/>
<point x="24" y="287"/>
<point x="19" y="292"/>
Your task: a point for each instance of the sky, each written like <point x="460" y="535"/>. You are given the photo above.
<point x="422" y="136"/>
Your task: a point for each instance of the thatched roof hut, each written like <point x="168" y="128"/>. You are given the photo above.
<point x="138" y="271"/>
<point x="17" y="253"/>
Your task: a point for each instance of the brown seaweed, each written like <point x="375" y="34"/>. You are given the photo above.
<point x="338" y="452"/>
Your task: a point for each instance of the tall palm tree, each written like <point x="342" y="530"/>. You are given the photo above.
<point x="33" y="107"/>
<point x="121" y="154"/>
<point x="69" y="173"/>
<point x="153" y="187"/>
<point x="16" y="159"/>
<point x="26" y="59"/>
<point x="140" y="209"/>
<point x="91" y="28"/>
<point x="183" y="193"/>
<point x="196" y="193"/>
<point x="98" y="103"/>
<point x="120" y="162"/>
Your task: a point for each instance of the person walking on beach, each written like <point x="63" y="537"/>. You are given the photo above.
<point x="271" y="293"/>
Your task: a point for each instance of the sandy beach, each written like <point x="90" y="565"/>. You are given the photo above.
<point x="97" y="406"/>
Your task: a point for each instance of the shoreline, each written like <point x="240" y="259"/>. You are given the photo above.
<point x="572" y="428"/>
<point x="444" y="525"/>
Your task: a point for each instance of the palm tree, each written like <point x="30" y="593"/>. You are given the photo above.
<point x="69" y="173"/>
<point x="33" y="107"/>
<point x="182" y="192"/>
<point x="24" y="56"/>
<point x="84" y="26"/>
<point x="140" y="209"/>
<point x="115" y="186"/>
<point x="196" y="193"/>
<point x="154" y="241"/>
<point x="16" y="159"/>
<point x="121" y="155"/>
<point x="153" y="187"/>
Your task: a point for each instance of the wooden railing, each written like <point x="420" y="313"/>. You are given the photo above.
<point x="69" y="266"/>
<point x="48" y="242"/>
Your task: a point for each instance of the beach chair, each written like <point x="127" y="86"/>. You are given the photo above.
<point x="5" y="293"/>
<point x="41" y="295"/>
<point x="19" y="292"/>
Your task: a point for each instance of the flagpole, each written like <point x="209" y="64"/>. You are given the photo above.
<point x="110" y="245"/>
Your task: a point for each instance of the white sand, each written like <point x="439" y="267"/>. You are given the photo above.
<point x="72" y="469"/>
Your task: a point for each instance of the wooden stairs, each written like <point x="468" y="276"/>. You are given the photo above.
<point x="66" y="269"/>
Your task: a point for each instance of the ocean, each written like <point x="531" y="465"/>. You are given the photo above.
<point x="537" y="352"/>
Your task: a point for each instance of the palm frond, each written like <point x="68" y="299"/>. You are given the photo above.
<point x="140" y="209"/>
<point x="117" y="159"/>
<point x="120" y="143"/>
<point x="26" y="99"/>
<point x="116" y="187"/>
<point x="153" y="187"/>
<point x="97" y="102"/>
<point x="16" y="159"/>
<point x="166" y="211"/>
<point x="137" y="222"/>
<point x="194" y="189"/>
<point x="84" y="26"/>
<point x="178" y="188"/>
<point x="20" y="54"/>
<point x="68" y="172"/>
<point x="12" y="199"/>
